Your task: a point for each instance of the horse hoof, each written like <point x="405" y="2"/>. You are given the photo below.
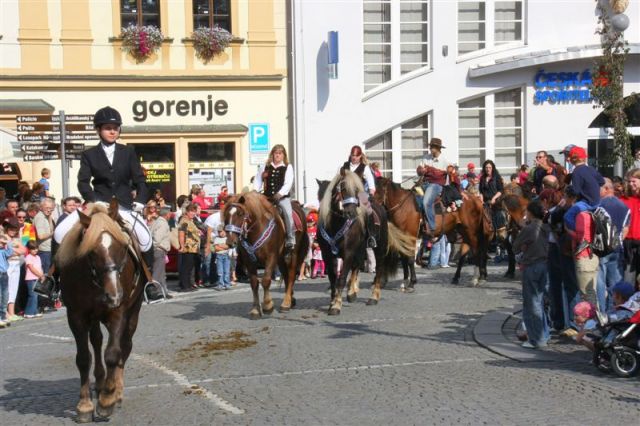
<point x="372" y="302"/>
<point x="481" y="282"/>
<point x="86" y="417"/>
<point x="254" y="315"/>
<point x="268" y="311"/>
<point x="284" y="309"/>
<point x="455" y="281"/>
<point x="104" y="412"/>
<point x="409" y="289"/>
<point x="293" y="302"/>
<point x="352" y="297"/>
<point x="334" y="311"/>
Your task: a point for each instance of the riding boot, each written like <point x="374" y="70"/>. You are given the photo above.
<point x="153" y="292"/>
<point x="372" y="232"/>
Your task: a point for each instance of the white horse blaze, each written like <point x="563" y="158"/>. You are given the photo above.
<point x="113" y="275"/>
<point x="232" y="211"/>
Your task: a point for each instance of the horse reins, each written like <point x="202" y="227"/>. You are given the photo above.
<point x="243" y="232"/>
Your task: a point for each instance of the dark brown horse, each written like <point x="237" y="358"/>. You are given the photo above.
<point x="342" y="234"/>
<point x="516" y="208"/>
<point x="101" y="282"/>
<point x="403" y="212"/>
<point x="253" y="225"/>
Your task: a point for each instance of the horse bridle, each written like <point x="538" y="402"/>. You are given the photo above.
<point x="112" y="267"/>
<point x="338" y="198"/>
<point x="241" y="231"/>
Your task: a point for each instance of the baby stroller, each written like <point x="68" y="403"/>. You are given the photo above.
<point x="616" y="346"/>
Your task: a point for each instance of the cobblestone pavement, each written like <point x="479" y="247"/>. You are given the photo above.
<point x="198" y="359"/>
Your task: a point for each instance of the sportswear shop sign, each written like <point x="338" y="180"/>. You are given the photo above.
<point x="562" y="87"/>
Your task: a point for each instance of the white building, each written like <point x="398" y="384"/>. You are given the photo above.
<point x="463" y="71"/>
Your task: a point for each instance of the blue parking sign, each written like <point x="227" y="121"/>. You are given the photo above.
<point x="258" y="137"/>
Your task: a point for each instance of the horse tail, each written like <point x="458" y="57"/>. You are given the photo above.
<point x="401" y="242"/>
<point x="303" y="247"/>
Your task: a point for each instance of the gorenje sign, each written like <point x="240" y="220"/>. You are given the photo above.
<point x="562" y="87"/>
<point x="182" y="108"/>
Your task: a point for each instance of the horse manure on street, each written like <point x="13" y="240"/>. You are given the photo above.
<point x="216" y="345"/>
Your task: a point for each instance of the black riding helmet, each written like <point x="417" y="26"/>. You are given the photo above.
<point x="107" y="115"/>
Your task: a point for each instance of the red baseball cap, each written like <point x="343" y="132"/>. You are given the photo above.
<point x="578" y="152"/>
<point x="471" y="166"/>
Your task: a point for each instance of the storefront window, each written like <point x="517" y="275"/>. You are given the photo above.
<point x="414" y="145"/>
<point x="212" y="166"/>
<point x="207" y="13"/>
<point x="140" y="12"/>
<point x="158" y="164"/>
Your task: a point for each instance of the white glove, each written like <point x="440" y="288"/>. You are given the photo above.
<point x="138" y="207"/>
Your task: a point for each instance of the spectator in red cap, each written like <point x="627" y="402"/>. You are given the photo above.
<point x="586" y="181"/>
<point x="471" y="168"/>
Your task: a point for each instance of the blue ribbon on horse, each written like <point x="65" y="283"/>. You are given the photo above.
<point x="333" y="241"/>
<point x="251" y="249"/>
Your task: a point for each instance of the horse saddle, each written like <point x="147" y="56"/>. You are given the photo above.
<point x="297" y="220"/>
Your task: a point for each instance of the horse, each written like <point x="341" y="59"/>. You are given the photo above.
<point x="254" y="225"/>
<point x="101" y="282"/>
<point x="341" y="234"/>
<point x="403" y="212"/>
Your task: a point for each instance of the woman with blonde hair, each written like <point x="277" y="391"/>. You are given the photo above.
<point x="275" y="179"/>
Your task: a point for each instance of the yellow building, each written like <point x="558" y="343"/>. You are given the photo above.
<point x="188" y="119"/>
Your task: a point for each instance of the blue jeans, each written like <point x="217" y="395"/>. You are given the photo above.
<point x="4" y="294"/>
<point x="223" y="263"/>
<point x="32" y="299"/>
<point x="556" y="305"/>
<point x="45" y="258"/>
<point x="431" y="192"/>
<point x="570" y="292"/>
<point x="437" y="249"/>
<point x="534" y="281"/>
<point x="608" y="276"/>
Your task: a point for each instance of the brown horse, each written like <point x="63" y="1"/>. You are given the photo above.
<point x="101" y="282"/>
<point x="472" y="223"/>
<point x="253" y="225"/>
<point x="403" y="212"/>
<point x="516" y="208"/>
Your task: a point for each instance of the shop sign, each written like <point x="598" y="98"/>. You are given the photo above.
<point x="182" y="108"/>
<point x="562" y="87"/>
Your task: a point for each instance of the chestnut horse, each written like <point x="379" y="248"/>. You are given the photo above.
<point x="516" y="208"/>
<point x="253" y="225"/>
<point x="403" y="212"/>
<point x="101" y="282"/>
<point x="342" y="234"/>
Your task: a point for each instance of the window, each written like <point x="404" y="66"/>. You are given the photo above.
<point x="414" y="30"/>
<point x="414" y="145"/>
<point x="378" y="150"/>
<point x="507" y="110"/>
<point x="377" y="43"/>
<point x="140" y="12"/>
<point x="395" y="39"/>
<point x="207" y="13"/>
<point x="472" y="132"/>
<point x="488" y="23"/>
<point x="491" y="127"/>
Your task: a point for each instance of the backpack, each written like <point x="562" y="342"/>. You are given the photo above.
<point x="606" y="236"/>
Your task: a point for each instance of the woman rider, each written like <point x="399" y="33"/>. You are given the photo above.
<point x="358" y="164"/>
<point x="491" y="189"/>
<point x="275" y="178"/>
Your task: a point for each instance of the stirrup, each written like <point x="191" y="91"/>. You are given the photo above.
<point x="372" y="243"/>
<point x="47" y="288"/>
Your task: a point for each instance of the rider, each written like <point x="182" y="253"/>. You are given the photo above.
<point x="491" y="189"/>
<point x="358" y="164"/>
<point x="112" y="170"/>
<point x="434" y="171"/>
<point x="276" y="179"/>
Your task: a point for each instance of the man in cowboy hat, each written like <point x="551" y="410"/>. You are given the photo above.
<point x="434" y="171"/>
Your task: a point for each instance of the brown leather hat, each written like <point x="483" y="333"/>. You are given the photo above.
<point x="436" y="143"/>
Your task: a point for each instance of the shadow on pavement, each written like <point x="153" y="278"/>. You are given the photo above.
<point x="55" y="398"/>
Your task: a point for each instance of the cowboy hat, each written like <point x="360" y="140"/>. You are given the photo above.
<point x="436" y="142"/>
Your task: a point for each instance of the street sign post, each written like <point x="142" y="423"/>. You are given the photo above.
<point x="40" y="135"/>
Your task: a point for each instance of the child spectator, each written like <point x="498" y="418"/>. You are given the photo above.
<point x="12" y="229"/>
<point x="223" y="260"/>
<point x="318" y="263"/>
<point x="44" y="181"/>
<point x="584" y="314"/>
<point x="33" y="273"/>
<point x="6" y="250"/>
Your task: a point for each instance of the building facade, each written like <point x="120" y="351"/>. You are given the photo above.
<point x="493" y="79"/>
<point x="188" y="119"/>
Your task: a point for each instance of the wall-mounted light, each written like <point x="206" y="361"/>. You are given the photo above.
<point x="445" y="50"/>
<point x="333" y="57"/>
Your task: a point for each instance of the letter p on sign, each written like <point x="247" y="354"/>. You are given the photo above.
<point x="258" y="137"/>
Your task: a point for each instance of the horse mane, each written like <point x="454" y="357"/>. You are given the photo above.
<point x="254" y="202"/>
<point x="353" y="184"/>
<point x="80" y="242"/>
<point x="511" y="202"/>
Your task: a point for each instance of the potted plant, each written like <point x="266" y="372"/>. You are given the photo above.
<point x="210" y="42"/>
<point x="141" y="41"/>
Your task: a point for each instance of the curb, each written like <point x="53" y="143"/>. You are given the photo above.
<point x="488" y="333"/>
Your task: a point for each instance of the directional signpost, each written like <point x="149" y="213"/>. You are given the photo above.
<point x="44" y="137"/>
